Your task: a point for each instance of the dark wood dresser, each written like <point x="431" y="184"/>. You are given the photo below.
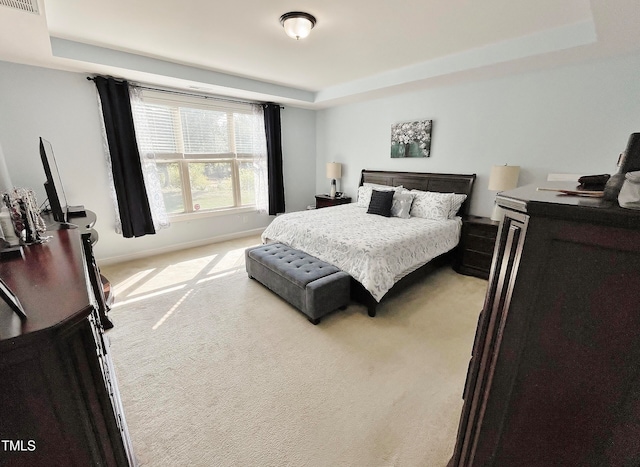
<point x="59" y="398"/>
<point x="325" y="201"/>
<point x="475" y="251"/>
<point x="554" y="377"/>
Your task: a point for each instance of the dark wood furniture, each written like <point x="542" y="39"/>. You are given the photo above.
<point x="554" y="377"/>
<point x="100" y="284"/>
<point x="325" y="201"/>
<point x="58" y="390"/>
<point x="475" y="250"/>
<point x="442" y="183"/>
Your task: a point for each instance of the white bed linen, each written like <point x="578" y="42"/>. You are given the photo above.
<point x="377" y="251"/>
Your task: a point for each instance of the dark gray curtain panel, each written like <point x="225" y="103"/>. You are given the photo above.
<point x="274" y="158"/>
<point x="133" y="204"/>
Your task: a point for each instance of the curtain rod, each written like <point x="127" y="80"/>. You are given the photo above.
<point x="190" y="94"/>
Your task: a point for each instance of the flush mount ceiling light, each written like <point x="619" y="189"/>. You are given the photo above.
<point x="297" y="24"/>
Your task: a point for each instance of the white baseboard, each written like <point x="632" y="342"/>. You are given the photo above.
<point x="180" y="246"/>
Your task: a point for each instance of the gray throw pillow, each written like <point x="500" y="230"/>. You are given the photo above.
<point x="401" y="206"/>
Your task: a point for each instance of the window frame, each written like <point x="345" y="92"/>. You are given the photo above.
<point x="184" y="159"/>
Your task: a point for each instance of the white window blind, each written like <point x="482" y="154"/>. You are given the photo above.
<point x="159" y="136"/>
<point x="205" y="131"/>
<point x="210" y="155"/>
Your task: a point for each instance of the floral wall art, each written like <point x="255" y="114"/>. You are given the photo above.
<point x="411" y="139"/>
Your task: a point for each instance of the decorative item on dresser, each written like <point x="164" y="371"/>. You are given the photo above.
<point x="59" y="396"/>
<point x="325" y="201"/>
<point x="554" y="376"/>
<point x="7" y="295"/>
<point x="629" y="161"/>
<point x="475" y="250"/>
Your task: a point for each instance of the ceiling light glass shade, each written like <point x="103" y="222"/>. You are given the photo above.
<point x="297" y="24"/>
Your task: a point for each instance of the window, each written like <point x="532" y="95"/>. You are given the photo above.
<point x="209" y="155"/>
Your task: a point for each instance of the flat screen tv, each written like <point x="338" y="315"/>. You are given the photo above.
<point x="53" y="185"/>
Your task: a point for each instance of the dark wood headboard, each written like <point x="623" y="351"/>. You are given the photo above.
<point x="442" y="183"/>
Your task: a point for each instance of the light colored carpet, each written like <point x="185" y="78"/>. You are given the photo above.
<point x="216" y="370"/>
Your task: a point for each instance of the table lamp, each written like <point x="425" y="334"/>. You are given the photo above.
<point x="503" y="177"/>
<point x="334" y="171"/>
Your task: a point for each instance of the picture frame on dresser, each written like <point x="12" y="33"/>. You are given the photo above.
<point x="10" y="298"/>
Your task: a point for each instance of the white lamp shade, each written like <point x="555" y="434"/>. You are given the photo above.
<point x="504" y="177"/>
<point x="297" y="27"/>
<point x="334" y="170"/>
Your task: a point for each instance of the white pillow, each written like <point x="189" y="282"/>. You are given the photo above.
<point x="456" y="201"/>
<point x="431" y="205"/>
<point x="364" y="192"/>
<point x="401" y="206"/>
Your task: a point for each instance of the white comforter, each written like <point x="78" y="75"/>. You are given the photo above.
<point x="377" y="251"/>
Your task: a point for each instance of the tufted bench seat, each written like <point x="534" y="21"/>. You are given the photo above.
<point x="309" y="284"/>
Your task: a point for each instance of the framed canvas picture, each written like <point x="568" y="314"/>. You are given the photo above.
<point x="10" y="298"/>
<point x="411" y="139"/>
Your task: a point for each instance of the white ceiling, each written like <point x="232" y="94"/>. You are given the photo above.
<point x="358" y="48"/>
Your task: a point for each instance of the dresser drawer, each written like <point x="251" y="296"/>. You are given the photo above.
<point x="480" y="244"/>
<point x="476" y="259"/>
<point x="482" y="230"/>
<point x="476" y="246"/>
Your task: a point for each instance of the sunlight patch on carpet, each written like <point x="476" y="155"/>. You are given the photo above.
<point x="171" y="310"/>
<point x="147" y="296"/>
<point x="183" y="271"/>
<point x="220" y="275"/>
<point x="233" y="259"/>
<point x="121" y="287"/>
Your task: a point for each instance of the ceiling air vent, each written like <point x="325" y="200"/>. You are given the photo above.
<point x="30" y="6"/>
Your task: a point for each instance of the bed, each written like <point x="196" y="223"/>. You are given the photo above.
<point x="382" y="255"/>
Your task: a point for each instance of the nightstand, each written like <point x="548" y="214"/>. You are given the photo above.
<point x="324" y="201"/>
<point x="475" y="250"/>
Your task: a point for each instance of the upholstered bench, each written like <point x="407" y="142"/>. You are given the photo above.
<point x="311" y="285"/>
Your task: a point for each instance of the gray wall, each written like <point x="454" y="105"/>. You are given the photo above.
<point x="62" y="107"/>
<point x="574" y="119"/>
